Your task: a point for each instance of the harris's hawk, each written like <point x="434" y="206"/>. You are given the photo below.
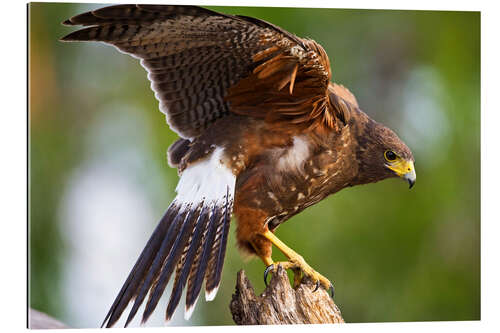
<point x="264" y="134"/>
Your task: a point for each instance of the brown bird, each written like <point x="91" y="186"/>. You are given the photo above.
<point x="263" y="133"/>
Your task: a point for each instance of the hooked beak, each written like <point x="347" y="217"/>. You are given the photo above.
<point x="406" y="170"/>
<point x="411" y="177"/>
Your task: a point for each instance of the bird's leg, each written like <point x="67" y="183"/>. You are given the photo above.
<point x="295" y="262"/>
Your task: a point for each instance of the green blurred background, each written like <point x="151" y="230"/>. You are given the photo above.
<point x="99" y="179"/>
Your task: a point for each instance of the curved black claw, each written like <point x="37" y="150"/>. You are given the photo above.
<point x="332" y="290"/>
<point x="266" y="272"/>
<point x="317" y="286"/>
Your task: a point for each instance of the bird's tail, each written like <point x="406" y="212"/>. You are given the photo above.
<point x="190" y="240"/>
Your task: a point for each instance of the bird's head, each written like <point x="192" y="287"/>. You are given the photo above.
<point x="382" y="154"/>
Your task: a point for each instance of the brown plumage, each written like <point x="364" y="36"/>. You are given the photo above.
<point x="263" y="132"/>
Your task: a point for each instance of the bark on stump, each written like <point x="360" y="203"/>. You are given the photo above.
<point x="281" y="304"/>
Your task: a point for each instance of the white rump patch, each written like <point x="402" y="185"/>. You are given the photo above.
<point x="208" y="180"/>
<point x="295" y="156"/>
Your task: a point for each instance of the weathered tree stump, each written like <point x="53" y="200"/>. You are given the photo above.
<point x="281" y="304"/>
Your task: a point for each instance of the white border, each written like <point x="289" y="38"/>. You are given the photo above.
<point x="13" y="172"/>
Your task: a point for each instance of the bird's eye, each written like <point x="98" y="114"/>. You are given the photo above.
<point x="390" y="155"/>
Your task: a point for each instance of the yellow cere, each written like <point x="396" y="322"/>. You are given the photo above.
<point x="400" y="166"/>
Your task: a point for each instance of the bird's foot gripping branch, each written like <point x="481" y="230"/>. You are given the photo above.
<point x="296" y="263"/>
<point x="282" y="304"/>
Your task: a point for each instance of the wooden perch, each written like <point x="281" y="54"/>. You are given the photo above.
<point x="281" y="304"/>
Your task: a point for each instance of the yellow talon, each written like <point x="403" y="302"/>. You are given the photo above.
<point x="295" y="262"/>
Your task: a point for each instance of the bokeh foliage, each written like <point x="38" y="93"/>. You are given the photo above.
<point x="393" y="254"/>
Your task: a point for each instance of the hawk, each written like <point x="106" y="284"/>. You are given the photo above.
<point x="263" y="132"/>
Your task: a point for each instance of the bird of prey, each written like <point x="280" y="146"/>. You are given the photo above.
<point x="263" y="132"/>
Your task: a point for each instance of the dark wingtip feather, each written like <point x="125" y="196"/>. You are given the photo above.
<point x="66" y="39"/>
<point x="196" y="279"/>
<point x="78" y="35"/>
<point x="186" y="267"/>
<point x="171" y="261"/>
<point x="215" y="272"/>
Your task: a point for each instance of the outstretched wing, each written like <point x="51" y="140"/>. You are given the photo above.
<point x="204" y="65"/>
